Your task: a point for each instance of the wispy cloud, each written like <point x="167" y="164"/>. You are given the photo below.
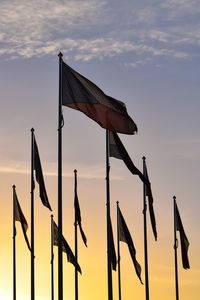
<point x="95" y="29"/>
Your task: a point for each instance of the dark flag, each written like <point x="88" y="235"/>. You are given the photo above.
<point x="125" y="236"/>
<point x="150" y="200"/>
<point x="118" y="150"/>
<point x="81" y="94"/>
<point x="112" y="246"/>
<point x="78" y="214"/>
<point x="39" y="176"/>
<point x="65" y="247"/>
<point x="19" y="216"/>
<point x="183" y="238"/>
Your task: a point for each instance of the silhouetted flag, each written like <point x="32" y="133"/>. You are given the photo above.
<point x="112" y="246"/>
<point x="65" y="247"/>
<point x="118" y="150"/>
<point x="125" y="236"/>
<point x="19" y="216"/>
<point x="150" y="199"/>
<point x="39" y="176"/>
<point x="78" y="214"/>
<point x="183" y="238"/>
<point x="81" y="94"/>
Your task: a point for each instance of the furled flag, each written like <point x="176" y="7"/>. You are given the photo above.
<point x="125" y="236"/>
<point x="150" y="200"/>
<point x="118" y="150"/>
<point x="65" y="247"/>
<point x="78" y="212"/>
<point x="112" y="246"/>
<point x="39" y="175"/>
<point x="19" y="216"/>
<point x="183" y="238"/>
<point x="81" y="94"/>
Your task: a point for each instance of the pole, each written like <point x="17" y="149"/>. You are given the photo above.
<point x="52" y="260"/>
<point x="145" y="234"/>
<point x="76" y="239"/>
<point x="14" y="247"/>
<point x="32" y="220"/>
<point x="118" y="254"/>
<point x="109" y="267"/>
<point x="60" y="120"/>
<point x="175" y="252"/>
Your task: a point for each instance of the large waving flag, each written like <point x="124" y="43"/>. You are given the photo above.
<point x="183" y="238"/>
<point x="125" y="236"/>
<point x="65" y="247"/>
<point x="81" y="94"/>
<point x="19" y="216"/>
<point x="39" y="175"/>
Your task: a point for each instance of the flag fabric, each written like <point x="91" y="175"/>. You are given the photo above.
<point x="118" y="151"/>
<point x="78" y="214"/>
<point x="65" y="248"/>
<point x="125" y="236"/>
<point x="19" y="216"/>
<point x="39" y="176"/>
<point x="183" y="239"/>
<point x="81" y="94"/>
<point x="150" y="201"/>
<point x="112" y="246"/>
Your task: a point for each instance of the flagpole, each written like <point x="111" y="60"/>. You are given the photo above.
<point x="60" y="125"/>
<point x="175" y="252"/>
<point x="52" y="261"/>
<point x="32" y="220"/>
<point x="145" y="235"/>
<point x="109" y="267"/>
<point x="118" y="254"/>
<point x="76" y="240"/>
<point x="14" y="247"/>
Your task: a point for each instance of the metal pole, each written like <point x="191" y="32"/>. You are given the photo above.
<point x="60" y="257"/>
<point x="175" y="252"/>
<point x="52" y="260"/>
<point x="145" y="235"/>
<point x="32" y="220"/>
<point x="14" y="247"/>
<point x="76" y="240"/>
<point x="110" y="292"/>
<point x="118" y="254"/>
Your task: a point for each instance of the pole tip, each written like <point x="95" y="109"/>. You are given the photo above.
<point x="144" y="158"/>
<point x="32" y="129"/>
<point x="60" y="55"/>
<point x="174" y="197"/>
<point x="117" y="202"/>
<point x="14" y="186"/>
<point x="75" y="171"/>
<point x="51" y="216"/>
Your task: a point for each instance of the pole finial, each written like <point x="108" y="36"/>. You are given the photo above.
<point x="60" y="55"/>
<point x="52" y="216"/>
<point x="144" y="158"/>
<point x="174" y="197"/>
<point x="75" y="171"/>
<point x="14" y="186"/>
<point x="32" y="129"/>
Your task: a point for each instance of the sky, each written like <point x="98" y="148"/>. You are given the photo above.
<point x="144" y="53"/>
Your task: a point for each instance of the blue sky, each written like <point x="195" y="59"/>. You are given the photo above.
<point x="145" y="53"/>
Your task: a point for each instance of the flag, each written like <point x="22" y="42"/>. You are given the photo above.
<point x="118" y="151"/>
<point x="81" y="94"/>
<point x="112" y="246"/>
<point x="78" y="213"/>
<point x="65" y="248"/>
<point x="125" y="236"/>
<point x="183" y="238"/>
<point x="150" y="200"/>
<point x="39" y="175"/>
<point x="19" y="216"/>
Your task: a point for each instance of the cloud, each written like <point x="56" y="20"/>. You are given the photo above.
<point x="94" y="29"/>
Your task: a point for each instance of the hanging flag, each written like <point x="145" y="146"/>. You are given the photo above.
<point x="150" y="200"/>
<point x="78" y="212"/>
<point x="183" y="238"/>
<point x="65" y="248"/>
<point x="39" y="176"/>
<point x="118" y="151"/>
<point x="19" y="216"/>
<point x="125" y="236"/>
<point x="112" y="246"/>
<point x="81" y="94"/>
